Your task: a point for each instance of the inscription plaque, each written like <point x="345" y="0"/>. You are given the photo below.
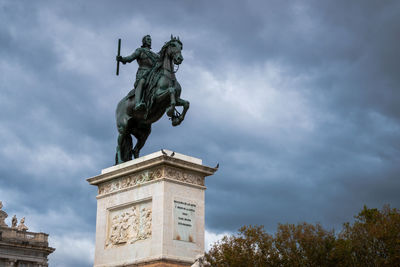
<point x="184" y="221"/>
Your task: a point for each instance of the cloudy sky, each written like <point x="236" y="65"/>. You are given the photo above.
<point x="297" y="100"/>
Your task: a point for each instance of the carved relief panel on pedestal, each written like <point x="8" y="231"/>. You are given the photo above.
<point x="128" y="224"/>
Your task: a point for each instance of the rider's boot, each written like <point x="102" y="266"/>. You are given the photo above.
<point x="139" y="103"/>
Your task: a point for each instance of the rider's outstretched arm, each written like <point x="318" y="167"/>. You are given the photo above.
<point x="130" y="58"/>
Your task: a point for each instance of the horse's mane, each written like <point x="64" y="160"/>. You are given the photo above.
<point x="157" y="68"/>
<point x="165" y="46"/>
<point x="154" y="74"/>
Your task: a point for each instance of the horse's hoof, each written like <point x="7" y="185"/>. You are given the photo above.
<point x="176" y="121"/>
<point x="170" y="112"/>
<point x="135" y="153"/>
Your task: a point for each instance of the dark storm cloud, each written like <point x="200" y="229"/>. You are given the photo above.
<point x="297" y="102"/>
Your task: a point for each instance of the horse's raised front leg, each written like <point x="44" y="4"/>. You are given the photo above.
<point x="162" y="94"/>
<point x="170" y="110"/>
<point x="180" y="102"/>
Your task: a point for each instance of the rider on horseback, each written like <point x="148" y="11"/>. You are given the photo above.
<point x="147" y="61"/>
<point x="156" y="85"/>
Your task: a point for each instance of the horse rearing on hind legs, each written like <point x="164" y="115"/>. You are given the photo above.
<point x="161" y="95"/>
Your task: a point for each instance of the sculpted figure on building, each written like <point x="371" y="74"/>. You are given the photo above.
<point x="14" y="221"/>
<point x="3" y="216"/>
<point x="22" y="226"/>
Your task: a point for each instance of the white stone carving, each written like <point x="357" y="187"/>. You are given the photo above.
<point x="187" y="177"/>
<point x="200" y="261"/>
<point x="14" y="221"/>
<point x="3" y="216"/>
<point x="129" y="225"/>
<point x="131" y="180"/>
<point x="149" y="175"/>
<point x="22" y="226"/>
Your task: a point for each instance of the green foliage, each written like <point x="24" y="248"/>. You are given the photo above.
<point x="372" y="240"/>
<point x="251" y="247"/>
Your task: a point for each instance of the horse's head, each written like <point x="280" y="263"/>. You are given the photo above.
<point x="172" y="49"/>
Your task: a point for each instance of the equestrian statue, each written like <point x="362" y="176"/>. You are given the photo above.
<point x="156" y="91"/>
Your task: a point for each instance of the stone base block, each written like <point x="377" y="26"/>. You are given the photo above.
<point x="150" y="211"/>
<point x="162" y="263"/>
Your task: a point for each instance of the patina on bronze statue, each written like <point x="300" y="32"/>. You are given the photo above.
<point x="156" y="92"/>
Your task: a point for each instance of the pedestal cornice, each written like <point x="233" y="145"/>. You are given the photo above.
<point x="159" y="160"/>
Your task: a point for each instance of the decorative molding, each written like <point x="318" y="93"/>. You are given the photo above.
<point x="130" y="181"/>
<point x="160" y="161"/>
<point x="183" y="176"/>
<point x="134" y="179"/>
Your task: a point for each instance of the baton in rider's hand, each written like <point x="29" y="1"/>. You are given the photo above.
<point x="118" y="55"/>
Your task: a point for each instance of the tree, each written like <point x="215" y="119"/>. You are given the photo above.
<point x="303" y="245"/>
<point x="250" y="247"/>
<point x="372" y="240"/>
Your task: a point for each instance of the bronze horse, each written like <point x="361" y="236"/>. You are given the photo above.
<point x="162" y="94"/>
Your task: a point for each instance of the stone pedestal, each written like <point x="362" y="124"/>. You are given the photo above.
<point x="150" y="211"/>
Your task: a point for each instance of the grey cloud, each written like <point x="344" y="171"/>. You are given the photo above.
<point x="58" y="94"/>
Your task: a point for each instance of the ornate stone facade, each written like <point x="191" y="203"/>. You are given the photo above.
<point x="21" y="248"/>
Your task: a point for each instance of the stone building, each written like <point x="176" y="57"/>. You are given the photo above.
<point x="21" y="248"/>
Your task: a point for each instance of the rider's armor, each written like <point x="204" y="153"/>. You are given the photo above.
<point x="146" y="60"/>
